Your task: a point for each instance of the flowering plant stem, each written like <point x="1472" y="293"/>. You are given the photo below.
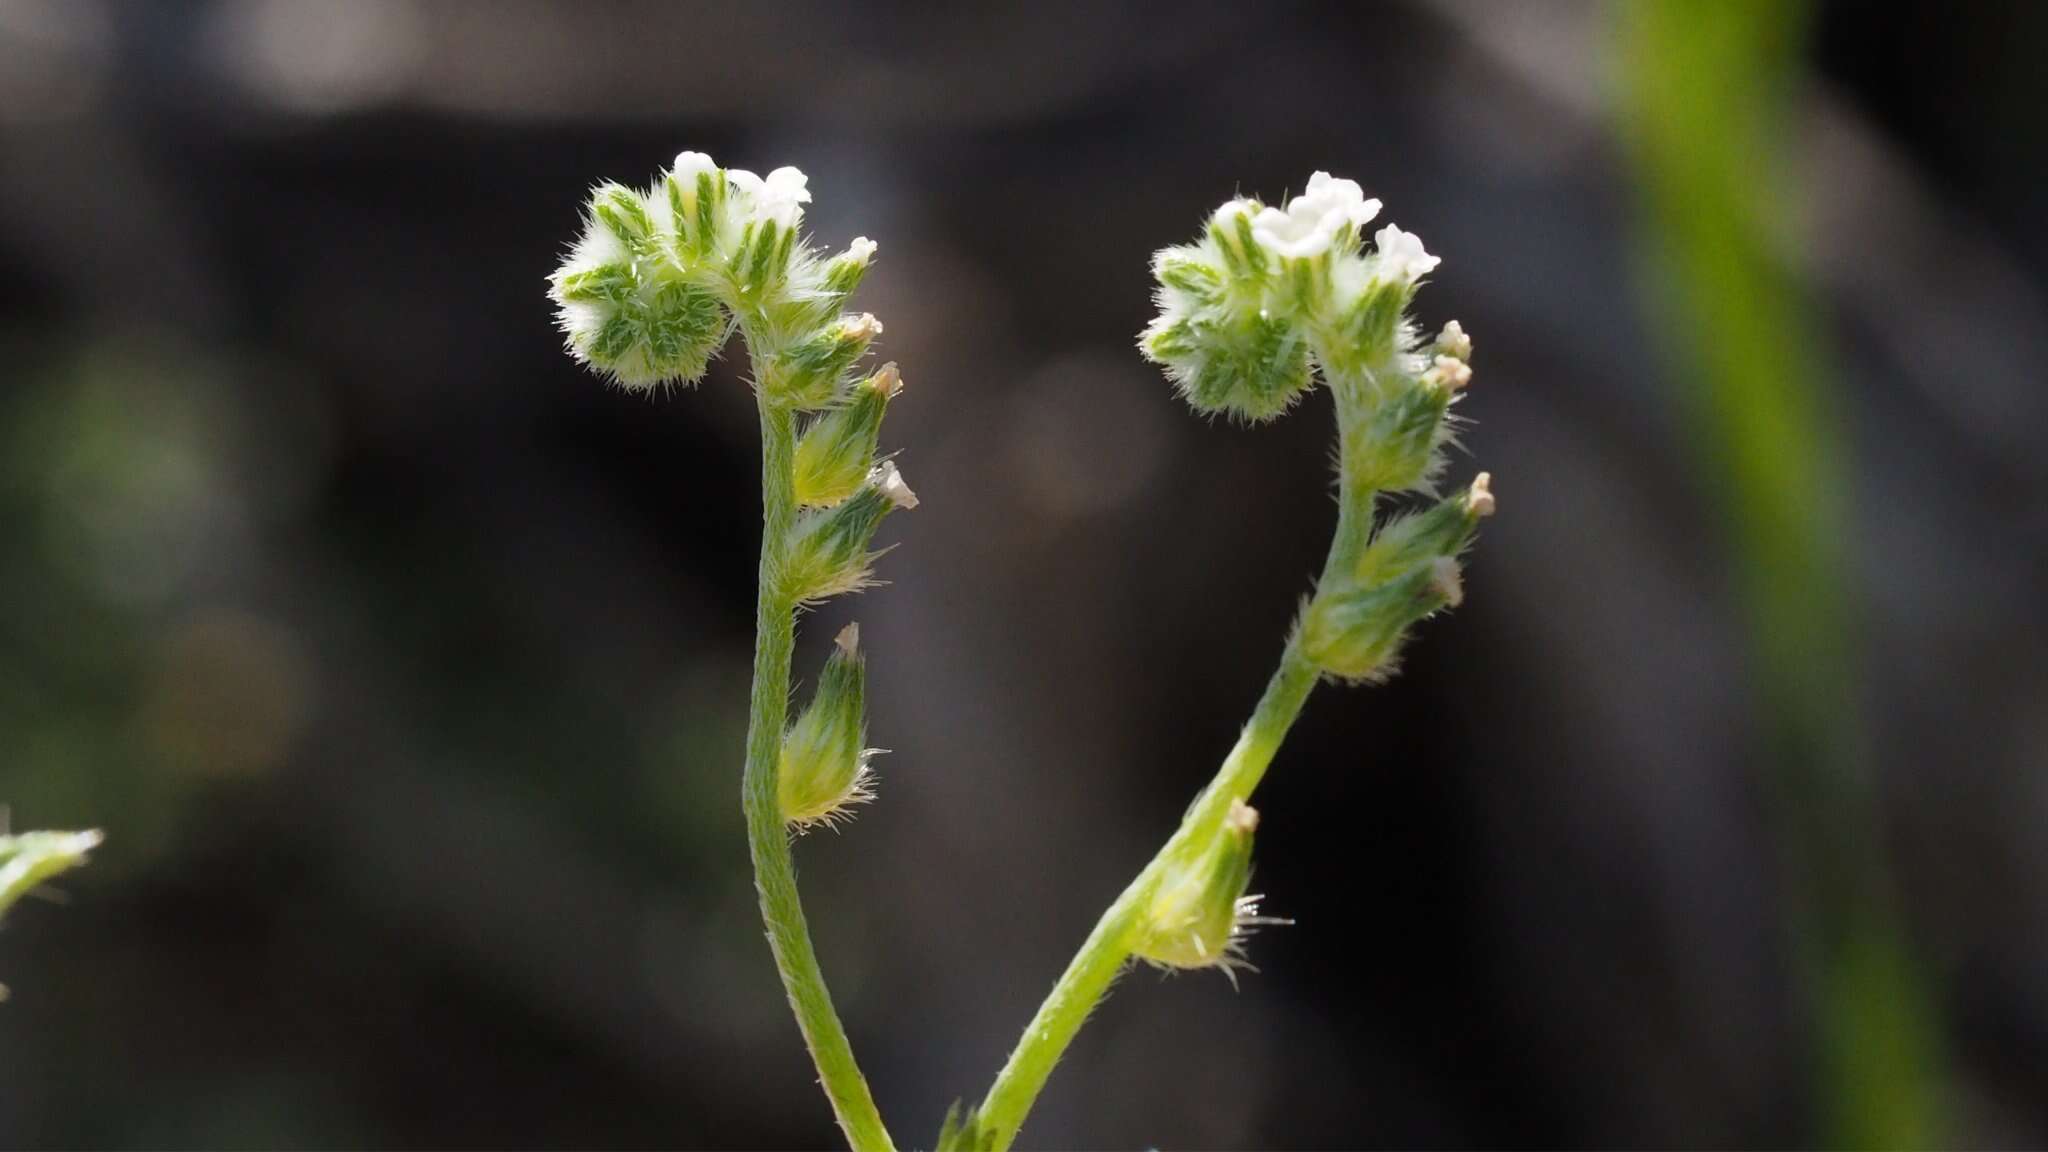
<point x="1267" y="301"/>
<point x="774" y="869"/>
<point x="1109" y="947"/>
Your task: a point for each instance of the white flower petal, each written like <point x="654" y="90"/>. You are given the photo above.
<point x="1402" y="256"/>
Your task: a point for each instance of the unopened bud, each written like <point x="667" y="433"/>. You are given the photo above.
<point x="1479" y="499"/>
<point x="843" y="273"/>
<point x="1449" y="373"/>
<point x="887" y="381"/>
<point x="824" y="768"/>
<point x="697" y="192"/>
<point x="1453" y="342"/>
<point x="1198" y="915"/>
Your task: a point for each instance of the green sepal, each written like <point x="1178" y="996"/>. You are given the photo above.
<point x="837" y="449"/>
<point x="1394" y="445"/>
<point x="1194" y="916"/>
<point x="809" y="374"/>
<point x="607" y="283"/>
<point x="1248" y="364"/>
<point x="1354" y="629"/>
<point x="623" y="212"/>
<point x="827" y="552"/>
<point x="1444" y="529"/>
<point x="824" y="754"/>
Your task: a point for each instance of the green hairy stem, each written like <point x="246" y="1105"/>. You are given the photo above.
<point x="782" y="909"/>
<point x="1108" y="948"/>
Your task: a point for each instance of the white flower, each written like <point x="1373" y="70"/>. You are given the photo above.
<point x="689" y="164"/>
<point x="861" y="250"/>
<point x="1402" y="257"/>
<point x="1228" y="215"/>
<point x="777" y="199"/>
<point x="1310" y="222"/>
<point x="889" y="482"/>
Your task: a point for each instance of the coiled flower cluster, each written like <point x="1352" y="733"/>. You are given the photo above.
<point x="654" y="286"/>
<point x="659" y="280"/>
<point x="1266" y="302"/>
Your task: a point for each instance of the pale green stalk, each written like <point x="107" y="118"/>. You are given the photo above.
<point x="774" y="868"/>
<point x="1108" y="948"/>
<point x="1708" y="94"/>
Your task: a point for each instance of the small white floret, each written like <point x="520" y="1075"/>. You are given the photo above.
<point x="891" y="484"/>
<point x="779" y="199"/>
<point x="1310" y="222"/>
<point x="1402" y="257"/>
<point x="689" y="164"/>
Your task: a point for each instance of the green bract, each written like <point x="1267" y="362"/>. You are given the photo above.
<point x="824" y="767"/>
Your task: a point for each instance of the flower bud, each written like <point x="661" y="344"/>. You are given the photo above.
<point x="625" y="308"/>
<point x="1445" y="528"/>
<point x="1198" y="913"/>
<point x="698" y="201"/>
<point x="809" y="374"/>
<point x="1449" y="374"/>
<point x="1234" y="242"/>
<point x="828" y="552"/>
<point x="1354" y="630"/>
<point x="843" y="273"/>
<point x="837" y="450"/>
<point x="1453" y="342"/>
<point x="824" y="767"/>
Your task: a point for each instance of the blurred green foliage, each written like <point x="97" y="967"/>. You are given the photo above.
<point x="1710" y="91"/>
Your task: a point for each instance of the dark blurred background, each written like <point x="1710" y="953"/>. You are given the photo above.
<point x="405" y="665"/>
